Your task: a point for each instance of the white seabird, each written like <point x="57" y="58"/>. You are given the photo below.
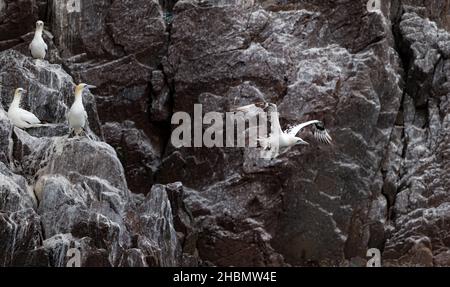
<point x="38" y="47"/>
<point x="278" y="139"/>
<point x="20" y="117"/>
<point x="77" y="114"/>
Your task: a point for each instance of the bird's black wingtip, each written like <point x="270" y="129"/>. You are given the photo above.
<point x="320" y="126"/>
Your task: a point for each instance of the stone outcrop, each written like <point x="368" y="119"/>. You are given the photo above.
<point x="59" y="194"/>
<point x="420" y="210"/>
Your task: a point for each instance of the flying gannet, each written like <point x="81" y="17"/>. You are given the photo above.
<point x="278" y="139"/>
<point x="38" y="47"/>
<point x="21" y="118"/>
<point x="77" y="114"/>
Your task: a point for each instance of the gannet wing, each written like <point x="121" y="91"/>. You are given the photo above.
<point x="28" y="117"/>
<point x="50" y="36"/>
<point x="320" y="133"/>
<point x="294" y="130"/>
<point x="322" y="136"/>
<point x="85" y="117"/>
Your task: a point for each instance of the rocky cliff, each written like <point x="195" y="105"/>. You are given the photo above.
<point x="380" y="80"/>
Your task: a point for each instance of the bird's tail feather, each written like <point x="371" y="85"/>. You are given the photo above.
<point x="38" y="125"/>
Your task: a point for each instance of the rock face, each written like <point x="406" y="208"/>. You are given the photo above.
<point x="420" y="210"/>
<point x="378" y="79"/>
<point x="59" y="194"/>
<point x="16" y="19"/>
<point x="319" y="205"/>
<point x="50" y="90"/>
<point x="118" y="46"/>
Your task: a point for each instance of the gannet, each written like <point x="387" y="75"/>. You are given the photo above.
<point x="38" y="47"/>
<point x="21" y="118"/>
<point x="278" y="139"/>
<point x="77" y="114"/>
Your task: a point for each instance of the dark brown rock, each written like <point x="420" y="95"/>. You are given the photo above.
<point x="137" y="152"/>
<point x="17" y="18"/>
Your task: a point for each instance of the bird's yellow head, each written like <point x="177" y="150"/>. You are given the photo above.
<point x="81" y="88"/>
<point x="18" y="97"/>
<point x="19" y="92"/>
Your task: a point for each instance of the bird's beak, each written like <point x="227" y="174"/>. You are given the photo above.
<point x="91" y="87"/>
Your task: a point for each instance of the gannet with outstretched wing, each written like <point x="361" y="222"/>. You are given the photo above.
<point x="20" y="117"/>
<point x="279" y="139"/>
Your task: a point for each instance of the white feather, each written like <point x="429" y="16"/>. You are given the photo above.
<point x="22" y="118"/>
<point x="293" y="131"/>
<point x="278" y="138"/>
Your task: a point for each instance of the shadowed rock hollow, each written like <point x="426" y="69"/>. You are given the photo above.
<point x="379" y="80"/>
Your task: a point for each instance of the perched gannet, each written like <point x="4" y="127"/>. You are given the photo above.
<point x="21" y="118"/>
<point x="38" y="47"/>
<point x="77" y="114"/>
<point x="282" y="140"/>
